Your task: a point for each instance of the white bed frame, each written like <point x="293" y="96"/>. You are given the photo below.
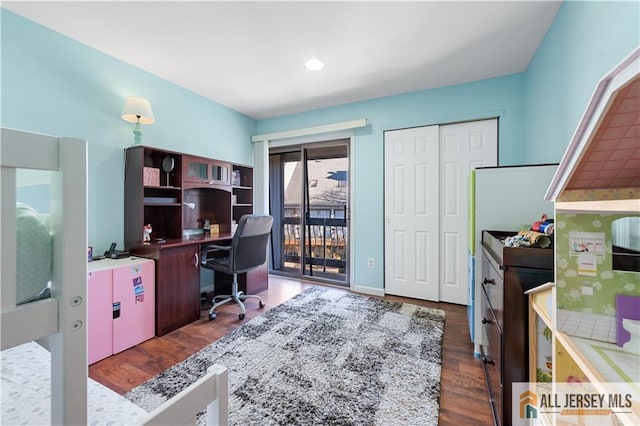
<point x="59" y="323"/>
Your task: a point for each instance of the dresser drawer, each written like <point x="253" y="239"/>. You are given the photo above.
<point x="493" y="286"/>
<point x="492" y="359"/>
<point x="492" y="351"/>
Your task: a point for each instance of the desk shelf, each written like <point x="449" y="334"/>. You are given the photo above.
<point x="242" y="188"/>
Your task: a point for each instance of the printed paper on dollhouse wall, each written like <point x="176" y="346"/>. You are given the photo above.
<point x="591" y="243"/>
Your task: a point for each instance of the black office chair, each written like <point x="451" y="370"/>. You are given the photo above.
<point x="247" y="251"/>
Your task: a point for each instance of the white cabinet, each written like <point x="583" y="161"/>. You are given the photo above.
<point x="121" y="305"/>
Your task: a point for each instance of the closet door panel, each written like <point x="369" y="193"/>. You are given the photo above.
<point x="463" y="147"/>
<point x="411" y="213"/>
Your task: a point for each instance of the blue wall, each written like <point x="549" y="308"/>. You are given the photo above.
<point x="54" y="85"/>
<point x="51" y="84"/>
<point x="586" y="41"/>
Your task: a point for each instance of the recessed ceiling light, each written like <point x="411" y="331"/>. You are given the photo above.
<point x="314" y="64"/>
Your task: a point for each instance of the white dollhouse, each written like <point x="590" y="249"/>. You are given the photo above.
<point x="584" y="327"/>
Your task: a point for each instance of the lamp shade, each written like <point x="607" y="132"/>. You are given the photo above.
<point x="137" y="110"/>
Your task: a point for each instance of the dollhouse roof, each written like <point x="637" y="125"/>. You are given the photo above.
<point x="602" y="162"/>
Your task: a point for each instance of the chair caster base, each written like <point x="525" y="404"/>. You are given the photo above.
<point x="261" y="304"/>
<point x="241" y="316"/>
<point x="212" y="316"/>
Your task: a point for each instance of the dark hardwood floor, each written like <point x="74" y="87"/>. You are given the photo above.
<point x="463" y="400"/>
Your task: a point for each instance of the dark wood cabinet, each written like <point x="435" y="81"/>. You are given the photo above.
<point x="507" y="273"/>
<point x="198" y="171"/>
<point x="177" y="287"/>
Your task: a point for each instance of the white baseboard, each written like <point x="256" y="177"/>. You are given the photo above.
<point x="368" y="290"/>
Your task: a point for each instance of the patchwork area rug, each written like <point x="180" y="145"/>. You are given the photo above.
<point x="323" y="357"/>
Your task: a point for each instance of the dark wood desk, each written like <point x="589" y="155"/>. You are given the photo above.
<point x="176" y="192"/>
<point x="178" y="279"/>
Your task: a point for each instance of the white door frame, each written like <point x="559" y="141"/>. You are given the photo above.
<point x="262" y="145"/>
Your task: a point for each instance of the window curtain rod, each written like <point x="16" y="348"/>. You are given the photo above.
<point x="326" y="128"/>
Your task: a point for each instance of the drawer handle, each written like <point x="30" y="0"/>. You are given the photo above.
<point x="488" y="361"/>
<point x="486" y="321"/>
<point x="486" y="281"/>
<point x="195" y="264"/>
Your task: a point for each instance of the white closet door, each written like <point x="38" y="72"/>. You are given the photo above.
<point x="411" y="212"/>
<point x="426" y="206"/>
<point x="463" y="147"/>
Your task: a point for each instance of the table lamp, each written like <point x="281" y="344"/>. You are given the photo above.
<point x="137" y="110"/>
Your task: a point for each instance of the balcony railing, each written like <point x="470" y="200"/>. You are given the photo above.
<point x="324" y="244"/>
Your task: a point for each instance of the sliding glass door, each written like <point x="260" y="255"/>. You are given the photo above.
<point x="309" y="193"/>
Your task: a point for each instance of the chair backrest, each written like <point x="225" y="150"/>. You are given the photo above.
<point x="249" y="244"/>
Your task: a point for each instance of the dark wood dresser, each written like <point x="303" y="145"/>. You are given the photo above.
<point x="507" y="273"/>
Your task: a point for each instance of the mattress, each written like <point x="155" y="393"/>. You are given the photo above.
<point x="25" y="389"/>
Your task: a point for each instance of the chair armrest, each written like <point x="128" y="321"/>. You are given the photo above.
<point x="204" y="258"/>
<point x="216" y="247"/>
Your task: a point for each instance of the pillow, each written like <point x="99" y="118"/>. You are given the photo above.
<point x="34" y="254"/>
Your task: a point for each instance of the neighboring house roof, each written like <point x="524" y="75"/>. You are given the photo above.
<point x="327" y="183"/>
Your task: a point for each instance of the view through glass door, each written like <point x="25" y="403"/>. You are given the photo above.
<point x="309" y="193"/>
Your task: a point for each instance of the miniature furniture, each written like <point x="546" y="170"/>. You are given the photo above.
<point x="248" y="250"/>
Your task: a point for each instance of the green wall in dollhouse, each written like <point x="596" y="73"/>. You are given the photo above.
<point x="584" y="259"/>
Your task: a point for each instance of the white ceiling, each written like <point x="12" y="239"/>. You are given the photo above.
<point x="250" y="56"/>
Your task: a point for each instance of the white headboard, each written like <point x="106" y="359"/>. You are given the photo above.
<point x="59" y="323"/>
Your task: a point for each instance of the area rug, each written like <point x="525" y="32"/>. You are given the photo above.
<point x="325" y="357"/>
